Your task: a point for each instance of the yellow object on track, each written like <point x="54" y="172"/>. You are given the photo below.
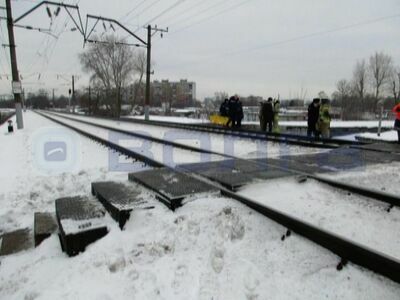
<point x="219" y="120"/>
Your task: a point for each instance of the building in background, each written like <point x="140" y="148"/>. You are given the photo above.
<point x="177" y="94"/>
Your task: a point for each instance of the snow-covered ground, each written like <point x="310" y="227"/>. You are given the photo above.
<point x="29" y="183"/>
<point x="243" y="148"/>
<point x="351" y="216"/>
<point x="389" y="136"/>
<point x="211" y="248"/>
<point x="379" y="177"/>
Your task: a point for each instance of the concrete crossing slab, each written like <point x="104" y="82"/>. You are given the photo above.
<point x="81" y="222"/>
<point x="118" y="199"/>
<point x="16" y="241"/>
<point x="172" y="187"/>
<point x="44" y="225"/>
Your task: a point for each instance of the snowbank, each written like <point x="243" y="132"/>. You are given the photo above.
<point x="389" y="136"/>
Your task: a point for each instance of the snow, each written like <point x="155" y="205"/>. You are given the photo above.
<point x="379" y="177"/>
<point x="388" y="136"/>
<point x="28" y="185"/>
<point x="351" y="216"/>
<point x="243" y="148"/>
<point x="75" y="226"/>
<point x="157" y="151"/>
<point x="211" y="248"/>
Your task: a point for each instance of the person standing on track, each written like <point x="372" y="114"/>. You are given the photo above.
<point x="239" y="113"/>
<point x="313" y="116"/>
<point x="396" y="110"/>
<point x="324" y="123"/>
<point x="231" y="112"/>
<point x="266" y="115"/>
<point x="276" y="116"/>
<point x="224" y="108"/>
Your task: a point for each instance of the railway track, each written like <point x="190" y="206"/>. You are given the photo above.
<point x="347" y="250"/>
<point x="290" y="139"/>
<point x="370" y="193"/>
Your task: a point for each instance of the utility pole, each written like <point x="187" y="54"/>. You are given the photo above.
<point x="148" y="69"/>
<point x="73" y="94"/>
<point x="16" y="84"/>
<point x="90" y="101"/>
<point x="148" y="73"/>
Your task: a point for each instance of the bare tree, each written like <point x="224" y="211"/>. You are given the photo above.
<point x="111" y="65"/>
<point x="139" y="66"/>
<point x="395" y="84"/>
<point x="344" y="88"/>
<point x="343" y="97"/>
<point x="221" y="96"/>
<point x="360" y="77"/>
<point x="380" y="67"/>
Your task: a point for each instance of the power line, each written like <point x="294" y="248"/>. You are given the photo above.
<point x="4" y="49"/>
<point x="185" y="11"/>
<point x="147" y="8"/>
<point x="319" y="33"/>
<point x="199" y="13"/>
<point x="299" y="38"/>
<point x="132" y="10"/>
<point x="212" y="16"/>
<point x="168" y="9"/>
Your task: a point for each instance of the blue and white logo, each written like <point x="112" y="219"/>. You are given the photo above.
<point x="56" y="149"/>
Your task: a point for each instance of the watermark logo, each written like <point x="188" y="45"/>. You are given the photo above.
<point x="117" y="162"/>
<point x="56" y="150"/>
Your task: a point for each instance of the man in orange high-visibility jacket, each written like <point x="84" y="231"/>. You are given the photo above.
<point x="396" y="110"/>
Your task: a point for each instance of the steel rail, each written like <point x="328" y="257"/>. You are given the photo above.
<point x="246" y="134"/>
<point x="109" y="144"/>
<point x="346" y="249"/>
<point x="373" y="194"/>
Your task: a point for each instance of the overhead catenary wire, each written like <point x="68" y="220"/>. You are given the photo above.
<point x="314" y="34"/>
<point x="237" y="5"/>
<point x="168" y="9"/>
<point x="2" y="35"/>
<point x="192" y="16"/>
<point x="49" y="45"/>
<point x="132" y="10"/>
<point x="147" y="8"/>
<point x="294" y="39"/>
<point x="186" y="10"/>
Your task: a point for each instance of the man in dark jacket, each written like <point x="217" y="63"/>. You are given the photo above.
<point x="224" y="108"/>
<point x="231" y="112"/>
<point x="266" y="115"/>
<point x="313" y="116"/>
<point x="239" y="112"/>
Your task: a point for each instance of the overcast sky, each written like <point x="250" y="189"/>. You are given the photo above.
<point x="261" y="47"/>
